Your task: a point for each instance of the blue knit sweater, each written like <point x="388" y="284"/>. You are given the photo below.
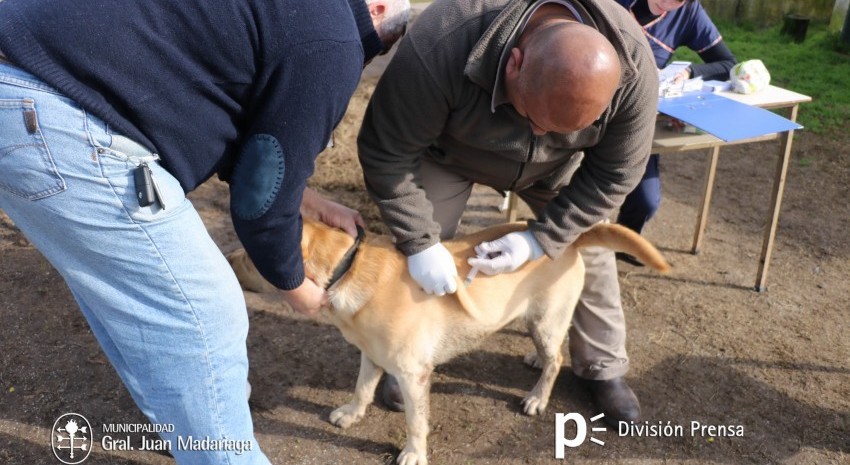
<point x="249" y="89"/>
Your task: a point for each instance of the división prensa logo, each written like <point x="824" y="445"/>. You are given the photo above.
<point x="71" y="438"/>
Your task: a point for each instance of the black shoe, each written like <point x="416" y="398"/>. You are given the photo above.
<point x="391" y="394"/>
<point x="615" y="399"/>
<point x="624" y="257"/>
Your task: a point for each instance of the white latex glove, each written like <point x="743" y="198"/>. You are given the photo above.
<point x="434" y="269"/>
<point x="507" y="253"/>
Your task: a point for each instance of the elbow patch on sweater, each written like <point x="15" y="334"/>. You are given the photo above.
<point x="257" y="177"/>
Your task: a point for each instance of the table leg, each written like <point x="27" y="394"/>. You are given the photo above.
<point x="702" y="219"/>
<point x="775" y="202"/>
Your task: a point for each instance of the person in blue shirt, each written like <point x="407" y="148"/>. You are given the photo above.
<point x="110" y="112"/>
<point x="668" y="25"/>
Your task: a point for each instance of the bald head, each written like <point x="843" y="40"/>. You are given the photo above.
<point x="566" y="75"/>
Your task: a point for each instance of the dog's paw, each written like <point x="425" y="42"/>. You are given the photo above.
<point x="533" y="360"/>
<point x="410" y="456"/>
<point x="346" y="415"/>
<point x="533" y="405"/>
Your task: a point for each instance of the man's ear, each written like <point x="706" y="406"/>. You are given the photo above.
<point x="513" y="65"/>
<point x="377" y="9"/>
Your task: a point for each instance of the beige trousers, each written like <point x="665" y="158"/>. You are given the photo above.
<point x="597" y="337"/>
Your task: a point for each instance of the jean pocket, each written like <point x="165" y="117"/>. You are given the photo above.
<point x="118" y="167"/>
<point x="27" y="169"/>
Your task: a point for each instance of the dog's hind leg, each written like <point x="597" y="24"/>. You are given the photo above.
<point x="415" y="388"/>
<point x="367" y="382"/>
<point x="548" y="327"/>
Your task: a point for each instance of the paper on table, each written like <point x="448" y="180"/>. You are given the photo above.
<point x="667" y="87"/>
<point x="723" y="117"/>
<point x="716" y="86"/>
<point x="672" y="70"/>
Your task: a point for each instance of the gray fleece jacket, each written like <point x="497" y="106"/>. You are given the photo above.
<point x="442" y="97"/>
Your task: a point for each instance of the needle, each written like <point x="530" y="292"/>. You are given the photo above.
<point x="473" y="272"/>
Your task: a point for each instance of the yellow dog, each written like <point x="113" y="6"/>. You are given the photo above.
<point x="400" y="329"/>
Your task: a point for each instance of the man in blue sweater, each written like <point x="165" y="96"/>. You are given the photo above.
<point x="111" y="111"/>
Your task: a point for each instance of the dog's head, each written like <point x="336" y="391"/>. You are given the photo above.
<point x="322" y="248"/>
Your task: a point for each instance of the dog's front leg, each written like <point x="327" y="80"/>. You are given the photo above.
<point x="415" y="387"/>
<point x="367" y="382"/>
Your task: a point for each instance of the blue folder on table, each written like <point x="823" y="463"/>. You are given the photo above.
<point x="723" y="117"/>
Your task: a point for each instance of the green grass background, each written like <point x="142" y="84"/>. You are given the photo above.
<point x="815" y="67"/>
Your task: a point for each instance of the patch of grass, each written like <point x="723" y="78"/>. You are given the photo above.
<point x="815" y="67"/>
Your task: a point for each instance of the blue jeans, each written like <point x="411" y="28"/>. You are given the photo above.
<point x="155" y="289"/>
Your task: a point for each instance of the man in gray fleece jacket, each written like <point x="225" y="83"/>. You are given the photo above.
<point x="554" y="100"/>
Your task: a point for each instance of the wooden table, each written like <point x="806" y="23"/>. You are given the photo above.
<point x="773" y="97"/>
<point x="667" y="141"/>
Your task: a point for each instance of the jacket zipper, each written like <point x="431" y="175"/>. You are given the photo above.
<point x="522" y="165"/>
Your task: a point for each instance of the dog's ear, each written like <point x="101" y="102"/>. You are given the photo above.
<point x="308" y="236"/>
<point x="312" y="251"/>
<point x="314" y="232"/>
<point x="305" y="238"/>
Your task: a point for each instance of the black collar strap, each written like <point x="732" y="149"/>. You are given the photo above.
<point x="347" y="259"/>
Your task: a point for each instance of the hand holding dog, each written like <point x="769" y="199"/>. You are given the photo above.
<point x="434" y="270"/>
<point x="331" y="213"/>
<point x="506" y="253"/>
<point x="307" y="298"/>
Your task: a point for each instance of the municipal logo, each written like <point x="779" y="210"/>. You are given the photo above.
<point x="71" y="438"/>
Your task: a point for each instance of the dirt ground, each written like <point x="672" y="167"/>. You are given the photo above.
<point x="704" y="346"/>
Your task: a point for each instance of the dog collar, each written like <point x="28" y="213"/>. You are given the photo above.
<point x="347" y="259"/>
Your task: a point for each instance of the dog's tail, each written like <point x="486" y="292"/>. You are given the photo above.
<point x="623" y="239"/>
<point x="466" y="301"/>
<point x="611" y="236"/>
